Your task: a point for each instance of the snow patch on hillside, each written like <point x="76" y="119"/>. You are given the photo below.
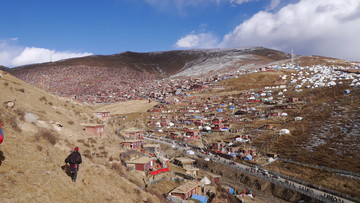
<point x="205" y="65"/>
<point x="219" y="61"/>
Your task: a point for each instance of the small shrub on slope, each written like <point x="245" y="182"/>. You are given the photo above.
<point x="47" y="135"/>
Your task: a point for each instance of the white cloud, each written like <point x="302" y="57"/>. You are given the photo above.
<point x="13" y="55"/>
<point x="274" y="4"/>
<point x="202" y="40"/>
<point x="322" y="27"/>
<point x="40" y="55"/>
<point x="8" y="50"/>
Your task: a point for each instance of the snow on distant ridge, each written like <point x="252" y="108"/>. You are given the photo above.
<point x="207" y="65"/>
<point x="217" y="60"/>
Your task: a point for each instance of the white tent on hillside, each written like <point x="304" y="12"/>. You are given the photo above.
<point x="283" y="114"/>
<point x="298" y="118"/>
<point x="205" y="181"/>
<point x="284" y="131"/>
<point x="190" y="152"/>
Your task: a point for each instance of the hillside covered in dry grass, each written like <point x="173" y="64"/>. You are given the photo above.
<point x="40" y="131"/>
<point x="130" y="75"/>
<point x="327" y="135"/>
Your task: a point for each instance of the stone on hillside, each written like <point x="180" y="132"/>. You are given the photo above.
<point x="9" y="104"/>
<point x="30" y="117"/>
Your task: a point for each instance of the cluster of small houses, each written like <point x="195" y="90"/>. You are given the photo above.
<point x="158" y="90"/>
<point x="99" y="84"/>
<point x="115" y="85"/>
<point x="152" y="163"/>
<point x="111" y="84"/>
<point x="187" y="118"/>
<point x="194" y="117"/>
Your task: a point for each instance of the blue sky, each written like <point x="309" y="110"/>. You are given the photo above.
<point x="33" y="31"/>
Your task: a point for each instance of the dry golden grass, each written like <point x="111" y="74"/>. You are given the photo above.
<point x="317" y="114"/>
<point x="254" y="81"/>
<point x="320" y="60"/>
<point x="318" y="177"/>
<point x="31" y="169"/>
<point x="319" y="109"/>
<point x="128" y="107"/>
<point x="166" y="186"/>
<point x="51" y="137"/>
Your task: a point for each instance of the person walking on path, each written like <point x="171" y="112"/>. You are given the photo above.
<point x="74" y="159"/>
<point x="2" y="157"/>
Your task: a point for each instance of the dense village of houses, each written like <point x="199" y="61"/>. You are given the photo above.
<point x="115" y="85"/>
<point x="111" y="85"/>
<point x="167" y="88"/>
<point x="218" y="124"/>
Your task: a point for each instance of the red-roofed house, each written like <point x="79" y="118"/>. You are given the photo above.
<point x="102" y="115"/>
<point x="96" y="129"/>
<point x="186" y="190"/>
<point x="132" y="144"/>
<point x="192" y="134"/>
<point x="141" y="164"/>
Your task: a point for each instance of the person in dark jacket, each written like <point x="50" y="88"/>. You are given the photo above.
<point x="2" y="157"/>
<point x="74" y="159"/>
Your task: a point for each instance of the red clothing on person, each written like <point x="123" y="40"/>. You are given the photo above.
<point x="1" y="133"/>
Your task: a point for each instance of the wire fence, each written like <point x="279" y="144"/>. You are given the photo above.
<point x="348" y="173"/>
<point x="304" y="188"/>
<point x="329" y="196"/>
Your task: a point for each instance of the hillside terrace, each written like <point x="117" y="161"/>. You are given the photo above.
<point x="226" y="118"/>
<point x="248" y="124"/>
<point x="251" y="134"/>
